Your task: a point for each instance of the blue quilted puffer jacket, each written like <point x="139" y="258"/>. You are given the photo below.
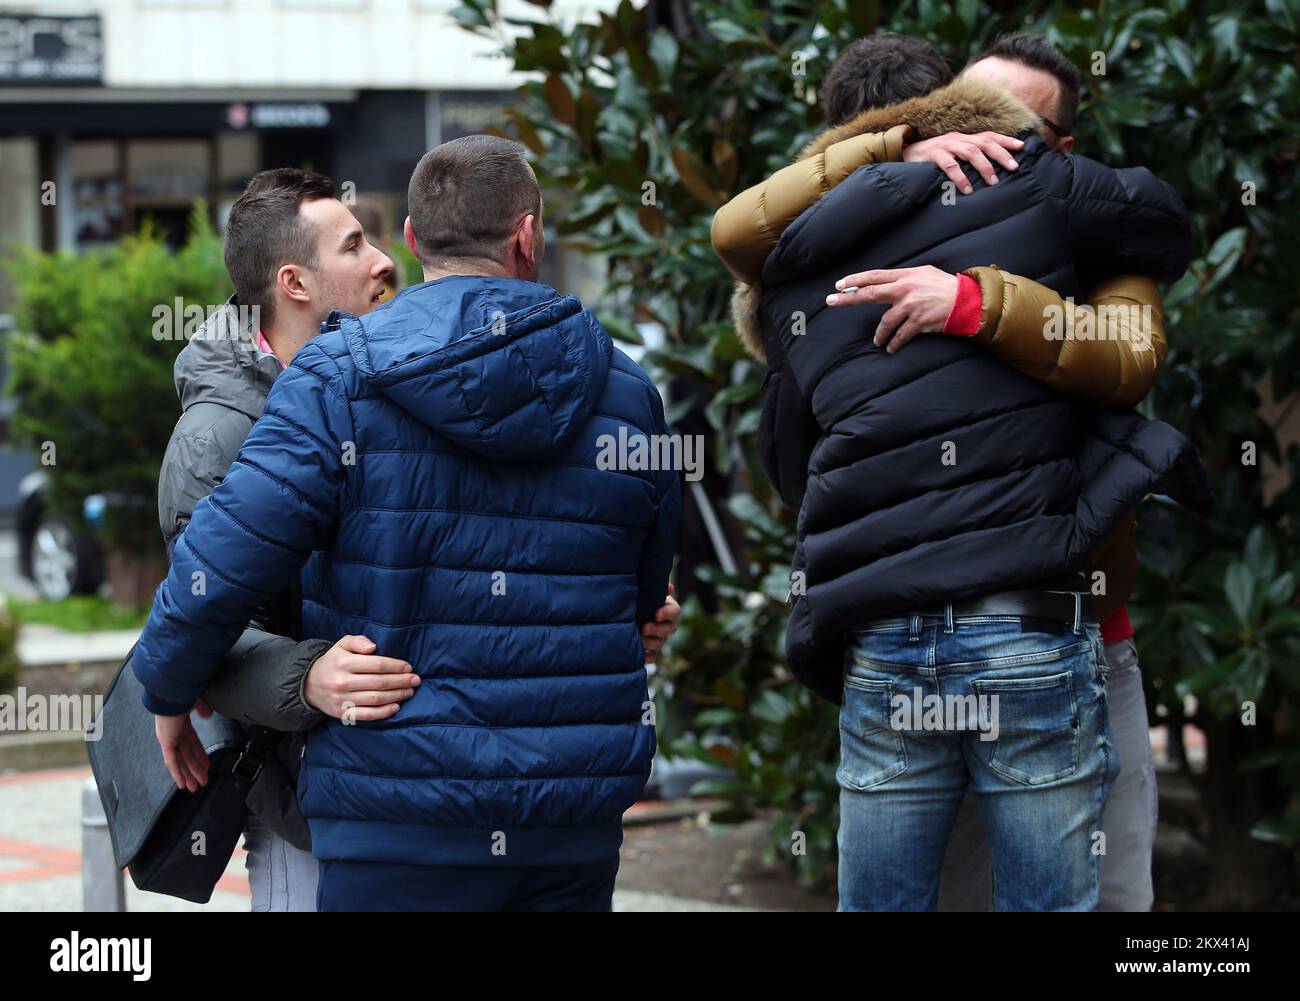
<point x="431" y="469"/>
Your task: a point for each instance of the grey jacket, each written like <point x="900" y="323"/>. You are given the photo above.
<point x="222" y="381"/>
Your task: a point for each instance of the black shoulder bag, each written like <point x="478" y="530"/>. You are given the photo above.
<point x="172" y="841"/>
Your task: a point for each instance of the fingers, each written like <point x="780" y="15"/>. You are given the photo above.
<point x="894" y="318"/>
<point x="869" y="286"/>
<point x="949" y="166"/>
<point x="979" y="151"/>
<point x="657" y="631"/>
<point x="973" y="155"/>
<point x="351" y="683"/>
<point x="360" y="664"/>
<point x="998" y="147"/>
<point x="863" y="296"/>
<point x="864" y="278"/>
<point x="374" y="699"/>
<point x="356" y="644"/>
<point x="186" y="761"/>
<point x="172" y="759"/>
<point x="909" y="329"/>
<point x="351" y="713"/>
<point x="196" y="759"/>
<point x="1010" y="142"/>
<point x="905" y="333"/>
<point x="170" y="732"/>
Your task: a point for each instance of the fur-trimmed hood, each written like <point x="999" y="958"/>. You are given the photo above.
<point x="961" y="106"/>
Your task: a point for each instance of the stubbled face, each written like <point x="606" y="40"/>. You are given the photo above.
<point x="1037" y="89"/>
<point x="350" y="272"/>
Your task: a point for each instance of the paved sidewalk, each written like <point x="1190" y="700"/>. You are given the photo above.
<point x="40" y="856"/>
<point x="40" y="850"/>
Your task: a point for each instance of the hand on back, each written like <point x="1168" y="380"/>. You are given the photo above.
<point x="350" y="679"/>
<point x="980" y="150"/>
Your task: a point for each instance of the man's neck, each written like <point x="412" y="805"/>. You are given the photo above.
<point x="287" y="336"/>
<point x="484" y="268"/>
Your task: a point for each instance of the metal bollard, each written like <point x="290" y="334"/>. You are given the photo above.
<point x="102" y="886"/>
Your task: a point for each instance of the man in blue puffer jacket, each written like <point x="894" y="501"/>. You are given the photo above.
<point x="438" y="467"/>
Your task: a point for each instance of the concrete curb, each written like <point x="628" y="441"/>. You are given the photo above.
<point x="25" y="752"/>
<point x="41" y="646"/>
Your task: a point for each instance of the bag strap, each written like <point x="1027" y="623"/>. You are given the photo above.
<point x="248" y="766"/>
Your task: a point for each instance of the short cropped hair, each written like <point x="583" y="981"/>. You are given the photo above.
<point x="467" y="196"/>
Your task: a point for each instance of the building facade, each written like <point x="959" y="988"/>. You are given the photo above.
<point x="112" y="111"/>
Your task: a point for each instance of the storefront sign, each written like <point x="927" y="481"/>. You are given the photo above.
<point x="39" y="51"/>
<point x="312" y="115"/>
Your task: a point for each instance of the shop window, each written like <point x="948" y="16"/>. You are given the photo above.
<point x="164" y="179"/>
<point x="97" y="213"/>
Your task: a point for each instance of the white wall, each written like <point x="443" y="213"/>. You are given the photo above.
<point x="350" y="44"/>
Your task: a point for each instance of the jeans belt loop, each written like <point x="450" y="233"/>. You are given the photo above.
<point x="914" y="629"/>
<point x="1078" y="613"/>
<point x="947" y="618"/>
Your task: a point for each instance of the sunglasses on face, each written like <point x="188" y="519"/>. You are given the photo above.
<point x="1060" y="132"/>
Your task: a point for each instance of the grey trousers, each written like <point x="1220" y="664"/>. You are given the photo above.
<point x="1129" y="822"/>
<point x="280" y="876"/>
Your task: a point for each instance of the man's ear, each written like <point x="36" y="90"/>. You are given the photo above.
<point x="408" y="232"/>
<point x="288" y="282"/>
<point x="525" y="242"/>
<point x="1065" y="144"/>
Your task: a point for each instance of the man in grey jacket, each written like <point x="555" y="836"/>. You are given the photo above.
<point x="294" y="254"/>
<point x="273" y="677"/>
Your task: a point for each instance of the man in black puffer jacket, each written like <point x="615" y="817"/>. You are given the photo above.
<point x="950" y="504"/>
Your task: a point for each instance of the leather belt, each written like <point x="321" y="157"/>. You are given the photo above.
<point x="1059" y="606"/>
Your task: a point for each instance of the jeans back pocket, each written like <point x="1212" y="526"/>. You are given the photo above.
<point x="1037" y="724"/>
<point x="871" y="751"/>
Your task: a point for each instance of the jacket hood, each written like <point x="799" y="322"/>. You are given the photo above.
<point x="509" y="369"/>
<point x="221" y="364"/>
<point x="961" y="106"/>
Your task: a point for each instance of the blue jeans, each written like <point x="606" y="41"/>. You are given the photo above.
<point x="1129" y="823"/>
<point x="935" y="705"/>
<point x="280" y="876"/>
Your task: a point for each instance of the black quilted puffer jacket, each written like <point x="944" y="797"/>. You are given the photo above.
<point x="940" y="472"/>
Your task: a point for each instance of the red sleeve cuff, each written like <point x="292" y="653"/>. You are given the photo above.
<point x="1117" y="627"/>
<point x="964" y="319"/>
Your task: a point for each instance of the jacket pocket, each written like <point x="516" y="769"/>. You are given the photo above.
<point x="1037" y="724"/>
<point x="871" y="751"/>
